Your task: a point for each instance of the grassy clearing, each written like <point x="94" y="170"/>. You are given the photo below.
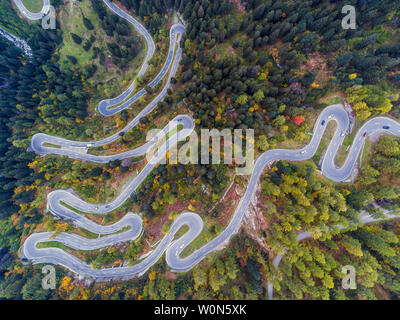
<point x="347" y="142"/>
<point x="87" y="234"/>
<point x="155" y="66"/>
<point x="366" y="152"/>
<point x="110" y="81"/>
<point x="72" y="208"/>
<point x="343" y="150"/>
<point x="50" y="145"/>
<point x="334" y="97"/>
<point x="326" y="138"/>
<point x="333" y="100"/>
<point x="202" y="239"/>
<point x="52" y="244"/>
<point x="226" y="49"/>
<point x="180" y="232"/>
<point x="33" y="5"/>
<point x="71" y="21"/>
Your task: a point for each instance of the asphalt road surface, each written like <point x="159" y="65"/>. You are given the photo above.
<point x="66" y="204"/>
<point x="174" y="248"/>
<point x="33" y="15"/>
<point x="105" y="105"/>
<point x="109" y="107"/>
<point x="125" y="100"/>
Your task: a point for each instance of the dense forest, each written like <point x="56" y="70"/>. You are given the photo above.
<point x="267" y="65"/>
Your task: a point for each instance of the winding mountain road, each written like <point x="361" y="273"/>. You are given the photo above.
<point x="33" y="15"/>
<point x="121" y="102"/>
<point x="67" y="205"/>
<point x="174" y="248"/>
<point x="109" y="107"/>
<point x="104" y="107"/>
